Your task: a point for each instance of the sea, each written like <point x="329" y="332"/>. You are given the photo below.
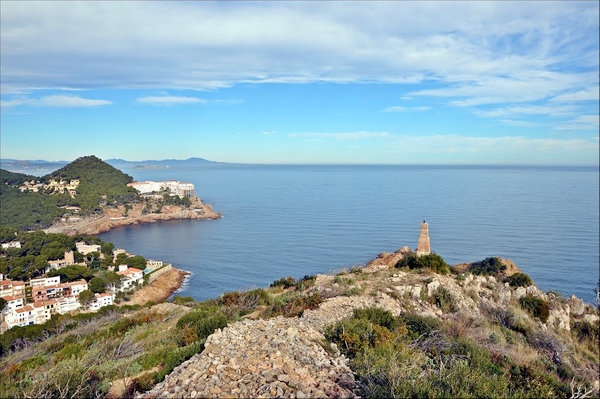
<point x="297" y="220"/>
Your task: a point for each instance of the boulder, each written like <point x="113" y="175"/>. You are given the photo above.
<point x="577" y="306"/>
<point x="432" y="286"/>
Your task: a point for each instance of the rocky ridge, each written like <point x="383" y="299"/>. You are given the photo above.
<point x="288" y="357"/>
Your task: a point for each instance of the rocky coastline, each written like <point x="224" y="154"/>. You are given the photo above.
<point x="121" y="216"/>
<point x="160" y="289"/>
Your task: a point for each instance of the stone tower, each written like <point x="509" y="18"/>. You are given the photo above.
<point x="423" y="246"/>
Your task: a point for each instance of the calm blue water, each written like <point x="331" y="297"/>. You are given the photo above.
<point x="298" y="220"/>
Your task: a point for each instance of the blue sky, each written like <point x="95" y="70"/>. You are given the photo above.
<point x="302" y="82"/>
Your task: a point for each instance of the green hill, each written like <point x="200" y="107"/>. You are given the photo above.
<point x="99" y="183"/>
<point x="37" y="205"/>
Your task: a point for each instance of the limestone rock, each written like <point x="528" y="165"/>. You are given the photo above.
<point x="577" y="306"/>
<point x="432" y="286"/>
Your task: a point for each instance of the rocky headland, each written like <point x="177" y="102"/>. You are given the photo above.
<point x="134" y="214"/>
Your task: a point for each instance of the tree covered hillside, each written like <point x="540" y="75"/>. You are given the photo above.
<point x="98" y="183"/>
<point x="36" y="205"/>
<point x="27" y="210"/>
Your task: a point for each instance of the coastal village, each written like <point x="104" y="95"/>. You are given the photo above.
<point x="35" y="301"/>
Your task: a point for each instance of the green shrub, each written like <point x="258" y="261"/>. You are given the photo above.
<point x="378" y="316"/>
<point x="176" y="357"/>
<point x="145" y="381"/>
<point x="355" y="334"/>
<point x="519" y="280"/>
<point x="202" y="322"/>
<point x="245" y="302"/>
<point x="433" y="262"/>
<point x="444" y="300"/>
<point x="536" y="307"/>
<point x="587" y="334"/>
<point x="306" y="282"/>
<point x="487" y="267"/>
<point x="183" y="300"/>
<point x="285" y="282"/>
<point x="420" y="326"/>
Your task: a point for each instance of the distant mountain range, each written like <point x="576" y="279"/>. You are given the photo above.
<point x="40" y="167"/>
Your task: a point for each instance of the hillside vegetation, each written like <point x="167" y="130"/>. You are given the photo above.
<point x="100" y="185"/>
<point x="404" y="331"/>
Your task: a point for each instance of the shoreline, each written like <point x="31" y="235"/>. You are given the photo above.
<point x="158" y="290"/>
<point x="112" y="218"/>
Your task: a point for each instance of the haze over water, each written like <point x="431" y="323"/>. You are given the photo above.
<point x="296" y="220"/>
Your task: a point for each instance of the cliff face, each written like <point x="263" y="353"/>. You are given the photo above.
<point x="120" y="216"/>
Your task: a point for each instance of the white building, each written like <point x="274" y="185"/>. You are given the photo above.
<point x="68" y="304"/>
<point x="130" y="278"/>
<point x="102" y="300"/>
<point x="12" y="287"/>
<point x="45" y="281"/>
<point x="23" y="316"/>
<point x="171" y="186"/>
<point x="12" y="244"/>
<point x="12" y="303"/>
<point x="85" y="249"/>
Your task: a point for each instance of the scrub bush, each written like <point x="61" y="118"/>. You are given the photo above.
<point x="433" y="262"/>
<point x="519" y="280"/>
<point x="487" y="267"/>
<point x="536" y="307"/>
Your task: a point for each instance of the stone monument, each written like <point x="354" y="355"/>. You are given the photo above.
<point x="423" y="246"/>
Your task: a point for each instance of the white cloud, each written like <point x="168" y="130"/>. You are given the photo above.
<point x="12" y="103"/>
<point x="59" y="101"/>
<point x="589" y="94"/>
<point x="582" y="122"/>
<point x="528" y="110"/>
<point x="170" y="100"/>
<point x="348" y="136"/>
<point x="399" y="108"/>
<point x="206" y="45"/>
<point x="513" y="122"/>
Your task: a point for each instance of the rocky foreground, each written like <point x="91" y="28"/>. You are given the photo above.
<point x="287" y="357"/>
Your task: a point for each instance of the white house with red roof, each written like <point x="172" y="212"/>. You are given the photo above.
<point x="130" y="278"/>
<point x="12" y="303"/>
<point x="101" y="300"/>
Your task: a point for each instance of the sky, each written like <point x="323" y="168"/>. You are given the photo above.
<point x="292" y="82"/>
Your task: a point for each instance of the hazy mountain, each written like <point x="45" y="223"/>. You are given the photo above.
<point x="158" y="164"/>
<point x="41" y="167"/>
<point x="31" y="167"/>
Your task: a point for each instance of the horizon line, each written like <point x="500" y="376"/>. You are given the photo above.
<point x="3" y="160"/>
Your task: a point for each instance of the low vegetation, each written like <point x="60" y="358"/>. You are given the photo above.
<point x="79" y="356"/>
<point x="420" y="356"/>
<point x="499" y="351"/>
<point x="432" y="262"/>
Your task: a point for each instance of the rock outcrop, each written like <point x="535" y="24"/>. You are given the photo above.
<point x="120" y="216"/>
<point x="289" y="357"/>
